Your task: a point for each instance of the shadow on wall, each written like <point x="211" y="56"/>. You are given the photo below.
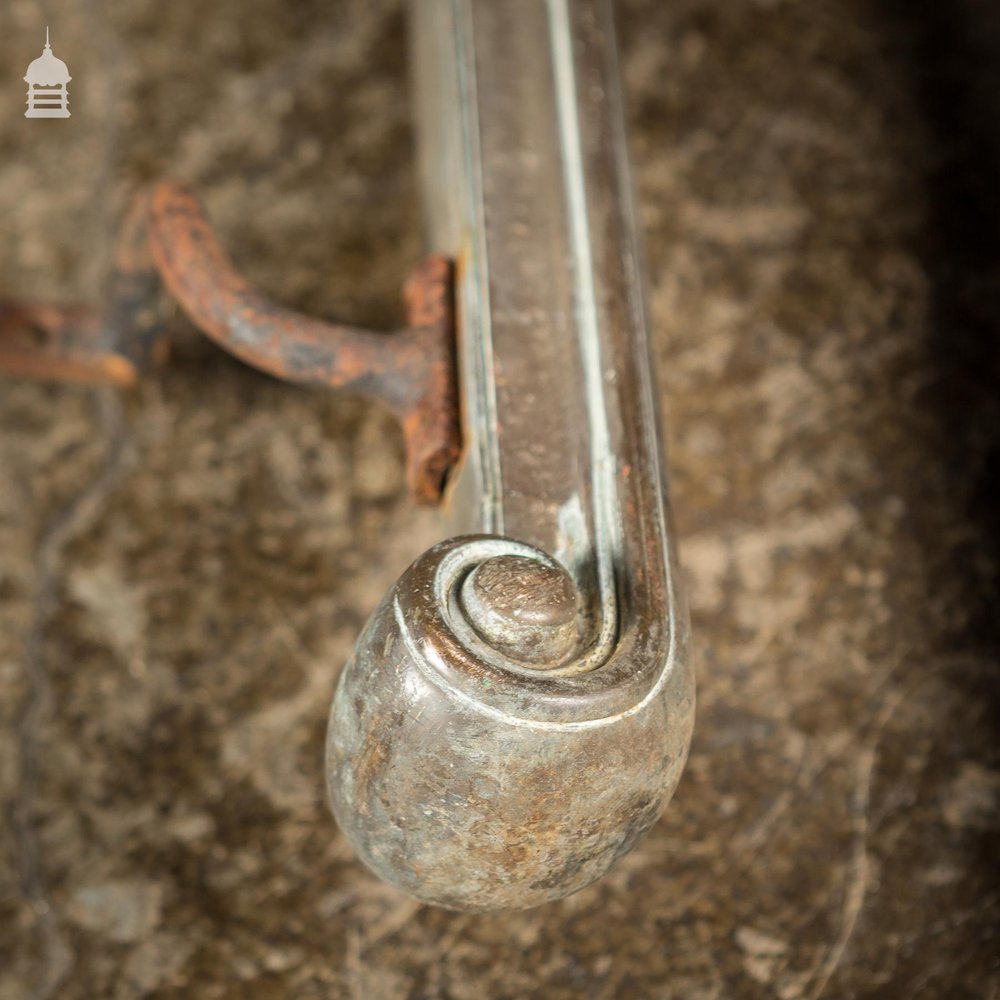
<point x="952" y="54"/>
<point x="954" y="60"/>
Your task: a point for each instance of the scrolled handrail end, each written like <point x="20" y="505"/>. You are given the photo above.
<point x="470" y="794"/>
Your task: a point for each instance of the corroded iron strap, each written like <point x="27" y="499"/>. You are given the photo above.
<point x="66" y="343"/>
<point x="111" y="343"/>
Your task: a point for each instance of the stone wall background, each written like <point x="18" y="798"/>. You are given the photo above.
<point x="182" y="568"/>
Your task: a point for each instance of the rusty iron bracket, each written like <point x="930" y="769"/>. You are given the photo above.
<point x="167" y="241"/>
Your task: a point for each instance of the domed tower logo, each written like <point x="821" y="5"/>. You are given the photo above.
<point x="48" y="85"/>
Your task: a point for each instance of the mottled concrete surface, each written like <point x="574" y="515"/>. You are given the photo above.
<point x="183" y="569"/>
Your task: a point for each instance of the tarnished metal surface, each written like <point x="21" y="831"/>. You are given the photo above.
<point x="518" y="710"/>
<point x="167" y="236"/>
<point x="523" y="607"/>
<point x="476" y="786"/>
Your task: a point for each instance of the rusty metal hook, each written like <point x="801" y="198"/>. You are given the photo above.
<point x="167" y="238"/>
